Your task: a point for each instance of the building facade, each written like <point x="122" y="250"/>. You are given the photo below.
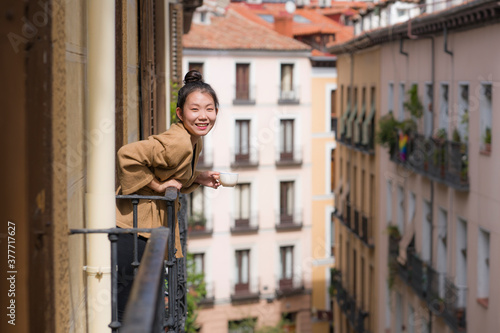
<point x="79" y="72"/>
<point x="252" y="242"/>
<point x="436" y="199"/>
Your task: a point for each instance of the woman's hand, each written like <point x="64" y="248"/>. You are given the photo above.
<point x="208" y="178"/>
<point x="155" y="185"/>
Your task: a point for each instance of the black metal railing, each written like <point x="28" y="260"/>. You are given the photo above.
<point x="160" y="317"/>
<point x="441" y="295"/>
<point x="291" y="158"/>
<point x="360" y="224"/>
<point x="355" y="315"/>
<point x="289" y="286"/>
<point x="355" y="227"/>
<point x="364" y="143"/>
<point x="438" y="159"/>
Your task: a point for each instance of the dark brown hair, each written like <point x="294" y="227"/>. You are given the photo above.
<point x="193" y="81"/>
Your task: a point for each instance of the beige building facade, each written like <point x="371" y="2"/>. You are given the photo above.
<point x="357" y="238"/>
<point x="436" y="209"/>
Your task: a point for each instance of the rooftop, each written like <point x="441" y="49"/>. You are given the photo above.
<point x="235" y="31"/>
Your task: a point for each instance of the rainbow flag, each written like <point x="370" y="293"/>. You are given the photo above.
<point x="403" y="146"/>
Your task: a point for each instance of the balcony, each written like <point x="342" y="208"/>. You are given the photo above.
<point x="208" y="299"/>
<point x="245" y="224"/>
<point x="293" y="158"/>
<point x="147" y="308"/>
<point x="247" y="158"/>
<point x="443" y="298"/>
<point x="290" y="286"/>
<point x="360" y="135"/>
<point x="358" y="223"/>
<point x="357" y="318"/>
<point x="199" y="226"/>
<point x="289" y="95"/>
<point x="245" y="291"/>
<point x="289" y="222"/>
<point x="244" y="95"/>
<point x="440" y="160"/>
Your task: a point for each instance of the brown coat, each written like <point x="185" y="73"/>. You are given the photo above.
<point x="165" y="156"/>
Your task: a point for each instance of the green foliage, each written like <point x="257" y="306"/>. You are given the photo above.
<point x="387" y="135"/>
<point x="441" y="134"/>
<point x="173" y="102"/>
<point x="465" y="121"/>
<point x="407" y="126"/>
<point x="413" y="104"/>
<point x="279" y="328"/>
<point x="393" y="231"/>
<point x="247" y="324"/>
<point x="487" y="135"/>
<point x="196" y="292"/>
<point x="456" y="135"/>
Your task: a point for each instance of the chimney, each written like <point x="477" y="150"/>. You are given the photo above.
<point x="283" y="24"/>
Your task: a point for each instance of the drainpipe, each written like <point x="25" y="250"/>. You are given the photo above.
<point x="100" y="131"/>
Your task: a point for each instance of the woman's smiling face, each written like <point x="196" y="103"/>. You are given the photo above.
<point x="199" y="114"/>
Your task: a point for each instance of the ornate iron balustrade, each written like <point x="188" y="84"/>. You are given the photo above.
<point x="368" y="147"/>
<point x="289" y="222"/>
<point x="290" y="286"/>
<point x="291" y="96"/>
<point x="442" y="296"/>
<point x="441" y="160"/>
<point x="360" y="224"/>
<point x="355" y="227"/>
<point x="347" y="304"/>
<point x="246" y="291"/>
<point x="293" y="158"/>
<point x="157" y="316"/>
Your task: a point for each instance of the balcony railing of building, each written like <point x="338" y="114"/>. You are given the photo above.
<point x="208" y="299"/>
<point x="244" y="95"/>
<point x="356" y="316"/>
<point x="146" y="309"/>
<point x="441" y="160"/>
<point x="358" y="135"/>
<point x="199" y="226"/>
<point x="442" y="296"/>
<point x="245" y="223"/>
<point x="289" y="95"/>
<point x="245" y="158"/>
<point x="292" y="158"/>
<point x="290" y="286"/>
<point x="359" y="223"/>
<point x="245" y="290"/>
<point x="289" y="222"/>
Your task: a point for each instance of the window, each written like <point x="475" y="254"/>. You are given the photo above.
<point x="242" y="82"/>
<point x="428" y="110"/>
<point x="332" y="170"/>
<point x="390" y="97"/>
<point x="411" y="319"/>
<point x="196" y="66"/>
<point x="401" y="101"/>
<point x="242" y="271"/>
<point x="286" y="272"/>
<point x="287" y="91"/>
<point x="333" y="110"/>
<point x="463" y="112"/>
<point x="286" y="202"/>
<point x="196" y="210"/>
<point x="483" y="267"/>
<point x="401" y="210"/>
<point x="389" y="202"/>
<point x="461" y="269"/>
<point x="199" y="263"/>
<point x="399" y="313"/>
<point x="426" y="232"/>
<point x="242" y="152"/>
<point x="485" y="109"/>
<point x="242" y="209"/>
<point x="443" y="107"/>
<point x="332" y="235"/>
<point x="442" y="250"/>
<point x="286" y="140"/>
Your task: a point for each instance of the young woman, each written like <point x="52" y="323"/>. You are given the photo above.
<point x="169" y="159"/>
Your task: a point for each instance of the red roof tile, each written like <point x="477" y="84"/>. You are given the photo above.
<point x="236" y="31"/>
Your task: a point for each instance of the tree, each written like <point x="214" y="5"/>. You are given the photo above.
<point x="196" y="291"/>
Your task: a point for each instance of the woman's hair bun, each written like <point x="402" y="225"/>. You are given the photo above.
<point x="193" y="76"/>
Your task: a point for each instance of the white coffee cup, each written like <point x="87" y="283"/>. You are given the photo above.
<point x="228" y="179"/>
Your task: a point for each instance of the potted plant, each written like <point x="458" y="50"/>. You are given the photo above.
<point x="439" y="150"/>
<point x="387" y="135"/>
<point x="413" y="104"/>
<point x="487" y="139"/>
<point x="456" y="136"/>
